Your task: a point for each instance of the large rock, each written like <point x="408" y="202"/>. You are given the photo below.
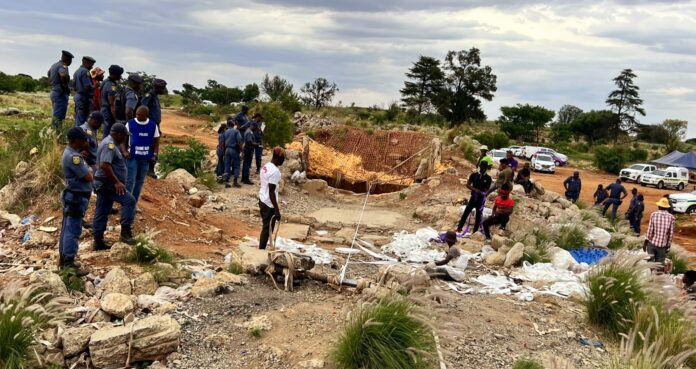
<point x="561" y="258"/>
<point x="220" y="283"/>
<point x="120" y="251"/>
<point x="297" y="232"/>
<point x="9" y="219"/>
<point x="49" y="282"/>
<point x="229" y="278"/>
<point x="117" y="304"/>
<point x="39" y="238"/>
<point x="315" y="185"/>
<point x="496" y="258"/>
<point x="498" y="241"/>
<point x="403" y="276"/>
<point x="515" y="255"/>
<point x="145" y="284"/>
<point x="599" y="237"/>
<point x="182" y="177"/>
<point x="252" y="259"/>
<point x="116" y="281"/>
<point x="76" y="340"/>
<point x="152" y="338"/>
<point x="293" y="165"/>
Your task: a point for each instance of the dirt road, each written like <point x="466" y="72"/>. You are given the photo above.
<point x="177" y="127"/>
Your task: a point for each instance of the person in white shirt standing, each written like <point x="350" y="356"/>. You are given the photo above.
<point x="268" y="195"/>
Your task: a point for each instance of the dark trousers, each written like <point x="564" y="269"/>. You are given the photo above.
<point x="269" y="221"/>
<point x="501" y="219"/>
<point x="634" y="221"/>
<point x="474" y="204"/>
<point x="614" y="203"/>
<point x="258" y="153"/>
<point x="657" y="254"/>
<point x="105" y="201"/>
<point x="74" y="208"/>
<point x="107" y="127"/>
<point x="220" y="167"/>
<point x="572" y="196"/>
<point x="59" y="103"/>
<point x="231" y="164"/>
<point x="81" y="110"/>
<point x="526" y="184"/>
<point x="246" y="163"/>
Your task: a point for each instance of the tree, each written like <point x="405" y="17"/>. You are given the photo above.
<point x="625" y="101"/>
<point x="567" y="113"/>
<point x="275" y="88"/>
<point x="189" y="95"/>
<point x="594" y="125"/>
<point x="318" y="93"/>
<point x="653" y="133"/>
<point x="279" y="128"/>
<point x="560" y="132"/>
<point x="524" y="121"/>
<point x="426" y="82"/>
<point x="251" y="92"/>
<point x="466" y="83"/>
<point x="676" y="133"/>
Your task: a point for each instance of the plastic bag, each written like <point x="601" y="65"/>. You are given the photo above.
<point x="543" y="272"/>
<point x="426" y="234"/>
<point x="497" y="284"/>
<point x="319" y="255"/>
<point x="599" y="237"/>
<point x="411" y="248"/>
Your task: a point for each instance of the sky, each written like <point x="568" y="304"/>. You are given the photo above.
<point x="544" y="53"/>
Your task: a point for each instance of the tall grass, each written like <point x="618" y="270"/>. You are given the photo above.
<point x="570" y="237"/>
<point x="668" y="326"/>
<point x="385" y="336"/>
<point x="681" y="260"/>
<point x="526" y="363"/>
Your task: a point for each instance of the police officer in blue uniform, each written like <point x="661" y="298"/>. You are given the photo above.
<point x="232" y="140"/>
<point x="59" y="78"/>
<point x="249" y="148"/>
<point x="75" y="198"/>
<point x="241" y="119"/>
<point x="258" y="139"/>
<point x="152" y="101"/>
<point x="84" y="90"/>
<point x="91" y="128"/>
<point x="109" y="184"/>
<point x="109" y="90"/>
<point x="132" y="92"/>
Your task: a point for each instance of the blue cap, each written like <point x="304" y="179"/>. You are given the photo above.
<point x="115" y="70"/>
<point x="97" y="116"/>
<point x="135" y="78"/>
<point x="76" y="133"/>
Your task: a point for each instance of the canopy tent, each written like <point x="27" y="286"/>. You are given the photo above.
<point x="678" y="159"/>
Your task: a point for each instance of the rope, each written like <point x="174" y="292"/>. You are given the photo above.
<point x="130" y="344"/>
<point x="355" y="235"/>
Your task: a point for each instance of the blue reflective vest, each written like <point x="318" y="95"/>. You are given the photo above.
<point x="142" y="139"/>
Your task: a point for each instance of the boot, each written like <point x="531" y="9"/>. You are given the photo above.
<point x="246" y="180"/>
<point x="99" y="244"/>
<point x="70" y="264"/>
<point x="127" y="235"/>
<point x="236" y="184"/>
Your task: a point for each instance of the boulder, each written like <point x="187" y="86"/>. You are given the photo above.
<point x="49" y="282"/>
<point x="496" y="258"/>
<point x="550" y="197"/>
<point x="599" y="237"/>
<point x="145" y="284"/>
<point x="229" y="278"/>
<point x="538" y="187"/>
<point x="403" y="275"/>
<point x="197" y="201"/>
<point x="518" y="189"/>
<point x="182" y="177"/>
<point x="116" y="281"/>
<point x="39" y="238"/>
<point x="315" y="185"/>
<point x="293" y="165"/>
<point x="120" y="251"/>
<point x="561" y="258"/>
<point x="117" y="304"/>
<point x="9" y="219"/>
<point x="498" y="241"/>
<point x="207" y="287"/>
<point x="346" y="233"/>
<point x="10" y="111"/>
<point x="252" y="259"/>
<point x="515" y="255"/>
<point x="152" y="338"/>
<point x="76" y="340"/>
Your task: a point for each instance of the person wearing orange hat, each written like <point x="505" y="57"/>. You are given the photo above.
<point x="658" y="239"/>
<point x="268" y="195"/>
<point x="501" y="211"/>
<point x="97" y="75"/>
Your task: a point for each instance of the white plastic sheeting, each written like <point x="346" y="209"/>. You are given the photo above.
<point x="543" y="272"/>
<point x="414" y="248"/>
<point x="319" y="255"/>
<point x="599" y="237"/>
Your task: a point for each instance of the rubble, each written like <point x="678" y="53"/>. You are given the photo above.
<point x="252" y="259"/>
<point x="145" y="284"/>
<point x="515" y="255"/>
<point x="49" y="282"/>
<point x="117" y="304"/>
<point x="116" y="281"/>
<point x="120" y="251"/>
<point x="182" y="177"/>
<point x="76" y="340"/>
<point x="305" y="122"/>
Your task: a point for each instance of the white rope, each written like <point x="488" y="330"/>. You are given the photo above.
<point x="355" y="235"/>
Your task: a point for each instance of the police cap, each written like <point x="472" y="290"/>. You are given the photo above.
<point x="119" y="128"/>
<point x="96" y="115"/>
<point x="67" y="54"/>
<point x="76" y="133"/>
<point x="88" y="59"/>
<point x="135" y="78"/>
<point x="115" y="70"/>
<point x="159" y="83"/>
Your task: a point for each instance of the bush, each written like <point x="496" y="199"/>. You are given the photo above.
<point x="235" y="268"/>
<point x="17" y="328"/>
<point x="291" y="103"/>
<point x="199" y="109"/>
<point x="536" y="254"/>
<point x="527" y="364"/>
<point x="637" y="154"/>
<point x="656" y="323"/>
<point x="279" y="128"/>
<point x="493" y="140"/>
<point x="469" y="150"/>
<point x="208" y="179"/>
<point x="71" y="280"/>
<point x="385" y="336"/>
<point x="681" y="262"/>
<point x="571" y="237"/>
<point x="609" y="159"/>
<point x="190" y="159"/>
<point x="145" y="252"/>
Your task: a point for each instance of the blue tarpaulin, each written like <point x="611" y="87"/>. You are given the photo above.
<point x="678" y="159"/>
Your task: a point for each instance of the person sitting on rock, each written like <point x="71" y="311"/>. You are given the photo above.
<point x="502" y="209"/>
<point x="523" y="178"/>
<point x="600" y="195"/>
<point x="505" y="175"/>
<point x="453" y="252"/>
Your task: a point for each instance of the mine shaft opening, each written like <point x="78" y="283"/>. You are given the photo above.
<point x="354" y="159"/>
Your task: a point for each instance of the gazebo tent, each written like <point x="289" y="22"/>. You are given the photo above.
<point x="678" y="159"/>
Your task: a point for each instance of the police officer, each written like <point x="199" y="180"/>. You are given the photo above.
<point x="573" y="186"/>
<point x="258" y="139"/>
<point x="132" y="92"/>
<point x="78" y="189"/>
<point x="152" y="101"/>
<point x="249" y="148"/>
<point x="91" y="128"/>
<point x="109" y="90"/>
<point x="241" y="119"/>
<point x="109" y="184"/>
<point x="59" y="78"/>
<point x="84" y="90"/>
<point x="232" y="140"/>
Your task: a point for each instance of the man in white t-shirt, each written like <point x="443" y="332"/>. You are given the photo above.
<point x="268" y="195"/>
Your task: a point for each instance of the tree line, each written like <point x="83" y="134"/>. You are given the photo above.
<point x="22" y="83"/>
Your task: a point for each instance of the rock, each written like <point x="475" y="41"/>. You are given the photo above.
<point x="39" y="238"/>
<point x="515" y="255"/>
<point x="153" y="338"/>
<point x="116" y="281"/>
<point x="403" y="275"/>
<point x="376" y="240"/>
<point x="229" y="278"/>
<point x="311" y="364"/>
<point x="315" y="185"/>
<point x="157" y="365"/>
<point x="252" y="259"/>
<point x="10" y="111"/>
<point x="561" y="258"/>
<point x="346" y="233"/>
<point x="9" y="219"/>
<point x="599" y="237"/>
<point x="213" y="233"/>
<point x="496" y="258"/>
<point x="182" y="177"/>
<point x="165" y="308"/>
<point x="208" y="287"/>
<point x="90" y="290"/>
<point x="101" y="316"/>
<point x="120" y="251"/>
<point x="293" y="165"/>
<point x="518" y="190"/>
<point x="550" y="197"/>
<point x="49" y="282"/>
<point x="129" y="318"/>
<point x="423" y="170"/>
<point x="196" y="201"/>
<point x="216" y="341"/>
<point x="538" y="187"/>
<point x="297" y="232"/>
<point x="565" y="204"/>
<point x="145" y="284"/>
<point x="498" y="241"/>
<point x="117" y="304"/>
<point x="76" y="340"/>
<point x="21" y="168"/>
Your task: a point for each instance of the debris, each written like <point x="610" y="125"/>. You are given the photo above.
<point x="257" y="323"/>
<point x="251" y="258"/>
<point x="182" y="177"/>
<point x="48" y="229"/>
<point x="412" y="248"/>
<point x="116" y="281"/>
<point x="9" y="219"/>
<point x="588" y="255"/>
<point x="515" y="255"/>
<point x="561" y="259"/>
<point x="588" y="342"/>
<point x="145" y="284"/>
<point x="50" y="282"/>
<point x="117" y="304"/>
<point x="76" y="340"/>
<point x="319" y="255"/>
<point x="193" y="191"/>
<point x="120" y="251"/>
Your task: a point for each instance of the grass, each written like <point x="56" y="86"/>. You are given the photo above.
<point x="146" y="252"/>
<point x="526" y="363"/>
<point x="17" y="327"/>
<point x="680" y="261"/>
<point x="615" y="243"/>
<point x="256" y="332"/>
<point x="656" y="323"/>
<point x="581" y="204"/>
<point x="71" y="280"/>
<point x="235" y="268"/>
<point x="570" y="237"/>
<point x="208" y="179"/>
<point x="536" y="254"/>
<point x="385" y="336"/>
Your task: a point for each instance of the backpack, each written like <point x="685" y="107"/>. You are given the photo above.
<point x="120" y="103"/>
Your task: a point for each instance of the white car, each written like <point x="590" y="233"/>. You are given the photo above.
<point x="543" y="163"/>
<point x="516" y="150"/>
<point x="496" y="155"/>
<point x="635" y="171"/>
<point x="674" y="177"/>
<point x="683" y="202"/>
<point x="208" y="103"/>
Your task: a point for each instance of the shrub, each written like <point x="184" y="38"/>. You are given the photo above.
<point x="527" y="364"/>
<point x="656" y="323"/>
<point x="615" y="243"/>
<point x="493" y="140"/>
<point x="469" y="150"/>
<point x="17" y="328"/>
<point x="235" y="268"/>
<point x="570" y="237"/>
<point x="71" y="279"/>
<point x="637" y="154"/>
<point x="385" y="336"/>
<point x="190" y="159"/>
<point x="291" y="103"/>
<point x="208" y="179"/>
<point x="279" y="128"/>
<point x="580" y="204"/>
<point x="199" y="109"/>
<point x="610" y="159"/>
<point x="145" y="252"/>
<point x="681" y="262"/>
<point x="536" y="254"/>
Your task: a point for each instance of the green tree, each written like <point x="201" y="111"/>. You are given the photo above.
<point x="148" y="80"/>
<point x="594" y="125"/>
<point x="567" y="113"/>
<point x="653" y="133"/>
<point x="524" y="121"/>
<point x="279" y="128"/>
<point x="676" y="133"/>
<point x="275" y="88"/>
<point x="561" y="132"/>
<point x="466" y="83"/>
<point x="189" y="94"/>
<point x="625" y="101"/>
<point x="318" y="93"/>
<point x="426" y="80"/>
<point x="251" y="92"/>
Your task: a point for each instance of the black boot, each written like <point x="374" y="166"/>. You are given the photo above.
<point x="236" y="184"/>
<point x="127" y="235"/>
<point x="99" y="244"/>
<point x="67" y="263"/>
<point x="246" y="180"/>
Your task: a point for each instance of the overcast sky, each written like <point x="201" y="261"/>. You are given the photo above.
<point x="548" y="53"/>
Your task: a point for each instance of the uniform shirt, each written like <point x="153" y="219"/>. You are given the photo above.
<point x="660" y="229"/>
<point x="75" y="169"/>
<point x="487" y="159"/>
<point x="109" y="152"/>
<point x="241" y="121"/>
<point x="55" y="80"/>
<point x="600" y="195"/>
<point x="249" y="138"/>
<point x="258" y="134"/>
<point x="132" y="99"/>
<point x="615" y="190"/>
<point x="270" y="174"/>
<point x="221" y="141"/>
<point x="108" y="88"/>
<point x="232" y="139"/>
<point x="501" y="204"/>
<point x="92" y="143"/>
<point x="152" y="102"/>
<point x="83" y="84"/>
<point x="479" y="182"/>
<point x="574" y="184"/>
<point x="524" y="173"/>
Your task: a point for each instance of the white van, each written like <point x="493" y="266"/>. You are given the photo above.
<point x="529" y="151"/>
<point x="674" y="177"/>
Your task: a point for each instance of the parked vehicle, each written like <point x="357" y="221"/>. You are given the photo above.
<point x="559" y="159"/>
<point x="496" y="155"/>
<point x="208" y="103"/>
<point x="529" y="151"/>
<point x="543" y="163"/>
<point x="683" y="202"/>
<point x="673" y="177"/>
<point x="516" y="150"/>
<point x="635" y="171"/>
